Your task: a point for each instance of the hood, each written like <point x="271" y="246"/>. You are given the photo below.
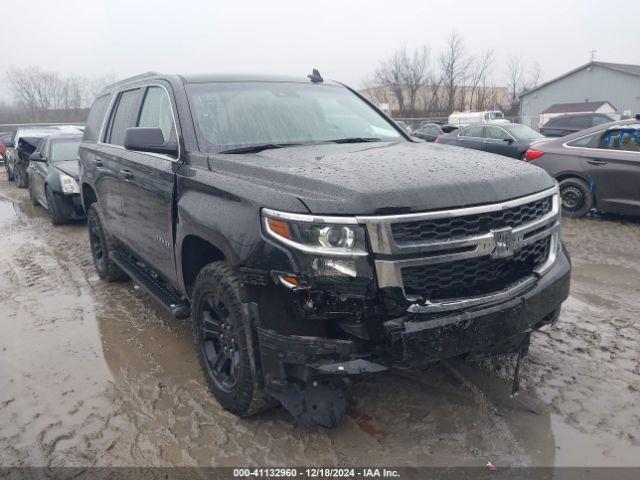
<point x="373" y="178"/>
<point x="70" y="167"/>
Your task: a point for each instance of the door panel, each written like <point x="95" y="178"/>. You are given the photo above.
<point x="148" y="188"/>
<point x="147" y="193"/>
<point x="493" y="141"/>
<point x="615" y="172"/>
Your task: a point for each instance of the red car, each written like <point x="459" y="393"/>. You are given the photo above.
<point x="3" y="149"/>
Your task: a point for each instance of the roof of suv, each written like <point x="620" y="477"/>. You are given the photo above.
<point x="207" y="78"/>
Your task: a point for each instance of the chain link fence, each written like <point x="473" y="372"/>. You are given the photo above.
<point x="413" y="123"/>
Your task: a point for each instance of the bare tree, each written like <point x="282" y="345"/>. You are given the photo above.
<point x="389" y="75"/>
<point x="36" y="91"/>
<point x="535" y="76"/>
<point x="454" y="66"/>
<point x="480" y="70"/>
<point x="515" y="73"/>
<point x="414" y="73"/>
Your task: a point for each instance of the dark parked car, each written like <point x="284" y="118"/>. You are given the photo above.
<point x="574" y="122"/>
<point x="309" y="238"/>
<point x="596" y="168"/>
<point x="53" y="177"/>
<point x="431" y="131"/>
<point x="511" y="139"/>
<point x="18" y="151"/>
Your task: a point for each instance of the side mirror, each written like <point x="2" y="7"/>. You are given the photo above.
<point x="143" y="139"/>
<point x="508" y="140"/>
<point x="37" y="157"/>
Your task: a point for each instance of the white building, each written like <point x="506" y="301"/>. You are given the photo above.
<point x="617" y="83"/>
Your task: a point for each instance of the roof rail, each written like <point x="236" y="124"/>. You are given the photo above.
<point x="132" y="79"/>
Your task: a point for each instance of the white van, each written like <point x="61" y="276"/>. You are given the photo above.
<point x="470" y="118"/>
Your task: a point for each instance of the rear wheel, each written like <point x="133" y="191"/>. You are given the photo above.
<point x="219" y="324"/>
<point x="101" y="245"/>
<point x="577" y="198"/>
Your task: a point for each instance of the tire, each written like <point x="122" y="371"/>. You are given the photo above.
<point x="56" y="216"/>
<point x="101" y="245"/>
<point x="34" y="201"/>
<point x="577" y="198"/>
<point x="17" y="177"/>
<point x="219" y="324"/>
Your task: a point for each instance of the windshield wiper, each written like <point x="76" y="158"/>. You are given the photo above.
<point x="260" y="148"/>
<point x="355" y="140"/>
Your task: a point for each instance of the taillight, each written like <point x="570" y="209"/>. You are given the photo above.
<point x="437" y="140"/>
<point x="532" y="155"/>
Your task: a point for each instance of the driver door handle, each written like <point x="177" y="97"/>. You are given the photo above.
<point x="596" y="162"/>
<point x="127" y="174"/>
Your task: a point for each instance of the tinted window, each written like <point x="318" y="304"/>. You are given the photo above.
<point x="496" y="133"/>
<point x="96" y="116"/>
<point x="555" y="122"/>
<point x="156" y="112"/>
<point x="62" y="150"/>
<point x="598" y="120"/>
<point x="471" y="132"/>
<point x="580" y="122"/>
<point x="124" y="116"/>
<point x="590" y="141"/>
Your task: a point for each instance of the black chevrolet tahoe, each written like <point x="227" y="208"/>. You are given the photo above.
<point x="309" y="239"/>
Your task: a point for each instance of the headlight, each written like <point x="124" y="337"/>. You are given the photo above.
<point x="69" y="185"/>
<point x="324" y="246"/>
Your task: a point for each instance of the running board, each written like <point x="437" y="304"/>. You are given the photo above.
<point x="178" y="307"/>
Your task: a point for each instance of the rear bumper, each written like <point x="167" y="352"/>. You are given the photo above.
<point x="418" y="337"/>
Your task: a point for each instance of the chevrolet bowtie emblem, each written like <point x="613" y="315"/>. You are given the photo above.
<point x="505" y="243"/>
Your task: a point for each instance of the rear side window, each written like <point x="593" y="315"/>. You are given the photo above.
<point x="95" y="119"/>
<point x="156" y="112"/>
<point x="496" y="133"/>
<point x="124" y="116"/>
<point x="580" y="122"/>
<point x="471" y="132"/>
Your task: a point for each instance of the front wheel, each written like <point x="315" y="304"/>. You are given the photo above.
<point x="577" y="198"/>
<point x="101" y="245"/>
<point x="54" y="210"/>
<point x="18" y="178"/>
<point x="219" y="330"/>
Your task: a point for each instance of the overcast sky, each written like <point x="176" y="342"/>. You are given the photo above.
<point x="344" y="39"/>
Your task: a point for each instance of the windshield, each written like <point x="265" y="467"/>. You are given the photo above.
<point x="62" y="150"/>
<point x="524" y="132"/>
<point x="495" y="115"/>
<point x="229" y="115"/>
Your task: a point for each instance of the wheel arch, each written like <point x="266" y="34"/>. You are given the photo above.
<point x="196" y="252"/>
<point x="88" y="196"/>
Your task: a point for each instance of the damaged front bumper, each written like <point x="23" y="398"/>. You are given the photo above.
<point x="291" y="363"/>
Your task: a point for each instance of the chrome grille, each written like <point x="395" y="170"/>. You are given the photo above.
<point x="473" y="276"/>
<point x="474" y="254"/>
<point x="469" y="225"/>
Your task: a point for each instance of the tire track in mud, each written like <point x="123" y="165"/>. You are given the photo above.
<point x="107" y="378"/>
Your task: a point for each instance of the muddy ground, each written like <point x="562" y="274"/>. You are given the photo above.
<point x="97" y="374"/>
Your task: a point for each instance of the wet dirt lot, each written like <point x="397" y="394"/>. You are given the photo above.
<point x="97" y="374"/>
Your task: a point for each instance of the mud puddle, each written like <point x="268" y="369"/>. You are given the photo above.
<point x="97" y="374"/>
